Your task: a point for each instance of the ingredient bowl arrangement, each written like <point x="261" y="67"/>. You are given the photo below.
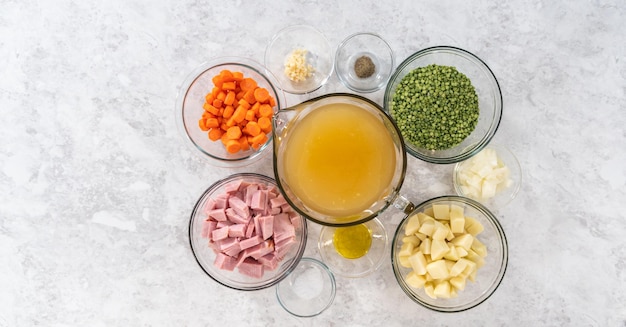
<point x="446" y="102"/>
<point x="212" y="110"/>
<point x="244" y="235"/>
<point x="450" y="254"/>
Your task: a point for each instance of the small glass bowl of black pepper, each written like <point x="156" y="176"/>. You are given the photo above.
<point x="446" y="102"/>
<point x="364" y="62"/>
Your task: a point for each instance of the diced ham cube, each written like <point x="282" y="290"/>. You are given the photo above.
<point x="282" y="247"/>
<point x="209" y="205"/>
<point x="282" y="227"/>
<point x="275" y="210"/>
<point x="278" y="201"/>
<point x="234" y="217"/>
<point x="259" y="200"/>
<point x="286" y="208"/>
<point x="219" y="234"/>
<point x="224" y="223"/>
<point x="250" y="242"/>
<point x="233" y="250"/>
<point x="257" y="226"/>
<point x="295" y="219"/>
<point x="233" y="186"/>
<point x="249" y="229"/>
<point x="260" y="249"/>
<point x="208" y="226"/>
<point x="237" y="230"/>
<point x="267" y="226"/>
<point x="239" y="206"/>
<point x="221" y="201"/>
<point x="225" y="262"/>
<point x="217" y="214"/>
<point x="270" y="261"/>
<point x="226" y="243"/>
<point x="249" y="192"/>
<point x="251" y="267"/>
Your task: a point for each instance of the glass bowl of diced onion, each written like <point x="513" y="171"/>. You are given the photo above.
<point x="449" y="254"/>
<point x="300" y="57"/>
<point x="195" y="107"/>
<point x="244" y="235"/>
<point x="492" y="177"/>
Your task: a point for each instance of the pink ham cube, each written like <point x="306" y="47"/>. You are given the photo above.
<point x="233" y="186"/>
<point x="250" y="242"/>
<point x="219" y="234"/>
<point x="270" y="261"/>
<point x="267" y="226"/>
<point x="251" y="267"/>
<point x="217" y="214"/>
<point x="237" y="230"/>
<point x="225" y="262"/>
<point x="240" y="207"/>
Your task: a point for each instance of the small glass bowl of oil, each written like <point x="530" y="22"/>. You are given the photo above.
<point x="353" y="251"/>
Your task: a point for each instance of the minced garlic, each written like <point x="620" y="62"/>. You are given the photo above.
<point x="296" y="67"/>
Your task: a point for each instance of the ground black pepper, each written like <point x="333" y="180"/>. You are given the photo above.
<point x="364" y="67"/>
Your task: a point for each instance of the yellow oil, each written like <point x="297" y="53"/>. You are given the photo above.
<point x="352" y="242"/>
<point x="339" y="160"/>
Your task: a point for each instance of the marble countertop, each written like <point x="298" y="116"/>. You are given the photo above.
<point x="97" y="184"/>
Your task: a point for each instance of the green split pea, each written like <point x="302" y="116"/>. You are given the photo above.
<point x="435" y="107"/>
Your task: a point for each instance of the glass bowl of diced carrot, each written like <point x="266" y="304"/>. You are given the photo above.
<point x="244" y="234"/>
<point x="225" y="109"/>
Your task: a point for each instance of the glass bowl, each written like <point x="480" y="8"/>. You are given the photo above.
<point x="318" y="55"/>
<point x="488" y="277"/>
<point x="354" y="267"/>
<point x="190" y="107"/>
<point x="502" y="196"/>
<point x="487" y="90"/>
<point x="364" y="47"/>
<point x="208" y="253"/>
<point x="308" y="290"/>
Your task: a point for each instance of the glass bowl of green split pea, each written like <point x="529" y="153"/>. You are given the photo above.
<point x="446" y="102"/>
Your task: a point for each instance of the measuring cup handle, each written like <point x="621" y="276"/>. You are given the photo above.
<point x="403" y="204"/>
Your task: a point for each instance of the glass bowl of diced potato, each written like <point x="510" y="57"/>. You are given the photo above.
<point x="244" y="234"/>
<point x="449" y="254"/>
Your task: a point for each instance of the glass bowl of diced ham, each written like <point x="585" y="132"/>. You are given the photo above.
<point x="243" y="233"/>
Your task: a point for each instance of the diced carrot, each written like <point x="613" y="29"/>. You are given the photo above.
<point x="234" y="133"/>
<point x="240" y="114"/>
<point x="238" y="76"/>
<point x="214" y="92"/>
<point x="202" y="124"/>
<point x="218" y="103"/>
<point x="272" y="102"/>
<point x="247" y="84"/>
<point x="261" y="95"/>
<point x="249" y="96"/>
<point x="230" y="98"/>
<point x="253" y="128"/>
<point x="224" y="138"/>
<point x="233" y="146"/>
<point x="245" y="104"/>
<point x="265" y="110"/>
<point x="230" y="86"/>
<point x="215" y="134"/>
<point x="250" y="115"/>
<point x="221" y="95"/>
<point x="228" y="111"/>
<point x="258" y="140"/>
<point x="226" y="75"/>
<point x="212" y="122"/>
<point x="217" y="81"/>
<point x="210" y="108"/>
<point x="239" y="95"/>
<point x="243" y="141"/>
<point x="265" y="124"/>
<point x="255" y="108"/>
<point x="223" y="126"/>
<point x="209" y="98"/>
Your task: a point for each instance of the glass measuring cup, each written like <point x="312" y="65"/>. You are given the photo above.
<point x="333" y="183"/>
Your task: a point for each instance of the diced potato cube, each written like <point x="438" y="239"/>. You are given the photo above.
<point x="430" y="290"/>
<point x="473" y="256"/>
<point x="418" y="263"/>
<point x="450" y="235"/>
<point x="479" y="248"/>
<point x="465" y="241"/>
<point x="412" y="225"/>
<point x="404" y="261"/>
<point x="406" y="249"/>
<point x="421" y="236"/>
<point x="415" y="280"/>
<point x="424" y="217"/>
<point x="472" y="226"/>
<point x="429" y="211"/>
<point x="441" y="211"/>
<point x="425" y="246"/>
<point x="412" y="239"/>
<point x="456" y="211"/>
<point x="459" y="267"/>
<point x="449" y="264"/>
<point x="437" y="269"/>
<point x="461" y="251"/>
<point x="438" y="249"/>
<point x="452" y="254"/>
<point x="428" y="227"/>
<point x="457" y="224"/>
<point x="441" y="231"/>
<point x="442" y="290"/>
<point x="430" y="278"/>
<point x="458" y="282"/>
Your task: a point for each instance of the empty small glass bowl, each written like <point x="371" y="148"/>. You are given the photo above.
<point x="315" y="49"/>
<point x="191" y="98"/>
<point x="364" y="62"/>
<point x="488" y="277"/>
<point x="503" y="195"/>
<point x="206" y="255"/>
<point x="308" y="290"/>
<point x="487" y="90"/>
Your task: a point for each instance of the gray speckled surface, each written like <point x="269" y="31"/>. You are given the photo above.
<point x="96" y="183"/>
